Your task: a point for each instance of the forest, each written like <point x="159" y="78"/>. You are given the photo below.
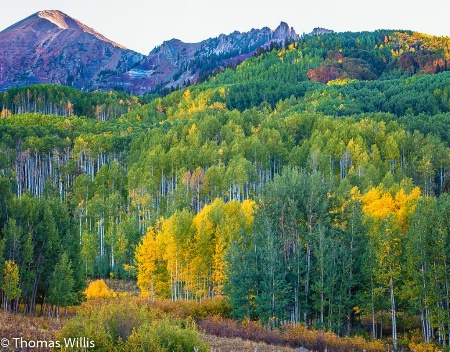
<point x="308" y="185"/>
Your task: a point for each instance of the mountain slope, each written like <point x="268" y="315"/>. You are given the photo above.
<point x="52" y="47"/>
<point x="175" y="63"/>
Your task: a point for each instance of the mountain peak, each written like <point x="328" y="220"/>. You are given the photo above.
<point x="52" y="47"/>
<point x="64" y="22"/>
<point x="283" y="25"/>
<point x="283" y="31"/>
<point x="56" y="17"/>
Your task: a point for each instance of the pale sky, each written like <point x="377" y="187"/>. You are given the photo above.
<point x="141" y="25"/>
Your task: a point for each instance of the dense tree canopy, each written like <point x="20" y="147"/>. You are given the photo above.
<point x="308" y="184"/>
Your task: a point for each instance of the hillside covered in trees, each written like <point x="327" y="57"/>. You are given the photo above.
<point x="307" y="185"/>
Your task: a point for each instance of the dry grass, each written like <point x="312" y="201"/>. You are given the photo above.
<point x="220" y="332"/>
<point x="221" y="344"/>
<point x="28" y="328"/>
<point x="296" y="336"/>
<point x="123" y="286"/>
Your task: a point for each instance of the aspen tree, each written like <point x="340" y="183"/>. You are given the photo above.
<point x="388" y="221"/>
<point x="10" y="285"/>
<point x="147" y="255"/>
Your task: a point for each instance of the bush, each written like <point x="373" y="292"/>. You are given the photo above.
<point x="193" y="309"/>
<point x="98" y="289"/>
<point x="290" y="335"/>
<point x="165" y="336"/>
<point x="107" y="322"/>
<point x="116" y="324"/>
<point x="422" y="347"/>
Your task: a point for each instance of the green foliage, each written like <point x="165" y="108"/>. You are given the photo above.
<point x="89" y="174"/>
<point x="35" y="237"/>
<point x="427" y="241"/>
<point x="127" y="325"/>
<point x="62" y="283"/>
<point x="10" y="285"/>
<point x="66" y="101"/>
<point x="165" y="336"/>
<point x="288" y="269"/>
<point x="106" y="322"/>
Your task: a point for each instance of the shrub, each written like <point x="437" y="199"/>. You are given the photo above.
<point x="193" y="309"/>
<point x="107" y="322"/>
<point x="116" y="324"/>
<point x="159" y="336"/>
<point x="98" y="289"/>
<point x="422" y="347"/>
<point x="290" y="335"/>
<point x="248" y="330"/>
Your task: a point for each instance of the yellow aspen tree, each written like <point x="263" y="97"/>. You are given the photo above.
<point x="215" y="226"/>
<point x="204" y="237"/>
<point x="387" y="215"/>
<point x="10" y="285"/>
<point x="148" y="253"/>
<point x="176" y="242"/>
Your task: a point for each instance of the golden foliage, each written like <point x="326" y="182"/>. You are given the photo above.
<point x="5" y="113"/>
<point x="341" y="81"/>
<point x="422" y="347"/>
<point x="184" y="255"/>
<point x="147" y="254"/>
<point x="99" y="289"/>
<point x="379" y="204"/>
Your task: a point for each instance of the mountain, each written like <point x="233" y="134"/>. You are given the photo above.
<point x="320" y="30"/>
<point x="175" y="63"/>
<point x="52" y="47"/>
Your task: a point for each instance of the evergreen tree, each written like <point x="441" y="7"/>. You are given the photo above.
<point x="243" y="277"/>
<point x="61" y="287"/>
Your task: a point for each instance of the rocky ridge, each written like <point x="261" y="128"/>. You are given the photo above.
<point x="52" y="47"/>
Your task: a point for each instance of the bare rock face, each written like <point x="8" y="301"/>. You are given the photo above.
<point x="320" y="30"/>
<point x="175" y="63"/>
<point x="51" y="47"/>
<point x="301" y="349"/>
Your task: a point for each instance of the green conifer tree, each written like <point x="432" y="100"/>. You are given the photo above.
<point x="61" y="291"/>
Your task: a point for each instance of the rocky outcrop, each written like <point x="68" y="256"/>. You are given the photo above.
<point x="320" y="30"/>
<point x="175" y="63"/>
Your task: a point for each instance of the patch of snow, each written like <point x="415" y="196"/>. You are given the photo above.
<point x="136" y="73"/>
